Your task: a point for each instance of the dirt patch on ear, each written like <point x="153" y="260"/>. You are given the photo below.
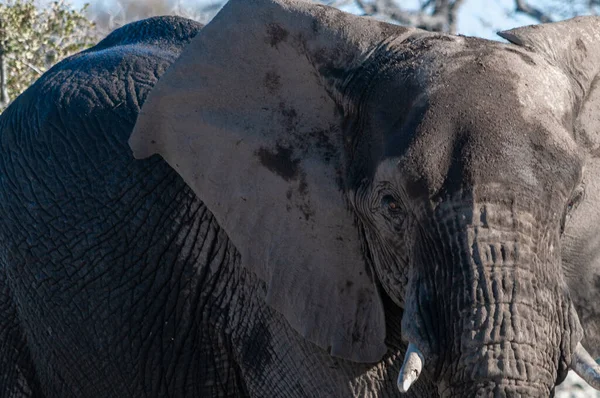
<point x="581" y="45"/>
<point x="280" y="162"/>
<point x="521" y="53"/>
<point x="276" y="34"/>
<point x="272" y="82"/>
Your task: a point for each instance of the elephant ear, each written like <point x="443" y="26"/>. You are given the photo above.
<point x="246" y="117"/>
<point x="581" y="238"/>
<point x="574" y="47"/>
<point x="571" y="45"/>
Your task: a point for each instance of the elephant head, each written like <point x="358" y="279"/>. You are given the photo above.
<point x="348" y="158"/>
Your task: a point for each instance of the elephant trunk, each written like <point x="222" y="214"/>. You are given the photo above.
<point x="507" y="335"/>
<point x="492" y="306"/>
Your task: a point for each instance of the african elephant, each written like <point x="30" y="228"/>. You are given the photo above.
<point x="342" y="193"/>
<point x="348" y="159"/>
<point x="115" y="279"/>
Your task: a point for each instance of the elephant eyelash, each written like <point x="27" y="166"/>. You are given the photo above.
<point x="576" y="199"/>
<point x="572" y="205"/>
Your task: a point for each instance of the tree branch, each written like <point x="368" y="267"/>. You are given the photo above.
<point x="388" y="9"/>
<point x="27" y="64"/>
<point x="536" y="13"/>
<point x="4" y="98"/>
<point x="425" y="4"/>
<point x="338" y="3"/>
<point x="453" y="15"/>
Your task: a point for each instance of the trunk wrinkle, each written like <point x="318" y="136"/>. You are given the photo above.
<point x="491" y="289"/>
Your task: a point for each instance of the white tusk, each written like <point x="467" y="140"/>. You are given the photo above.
<point x="411" y="368"/>
<point x="584" y="365"/>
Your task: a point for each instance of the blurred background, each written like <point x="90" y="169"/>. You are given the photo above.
<point x="35" y="34"/>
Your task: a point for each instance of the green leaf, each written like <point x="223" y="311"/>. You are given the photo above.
<point x="33" y="39"/>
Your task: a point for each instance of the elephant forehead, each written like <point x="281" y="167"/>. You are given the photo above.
<point x="479" y="124"/>
<point x="473" y="84"/>
<point x="477" y="71"/>
<point x="546" y="98"/>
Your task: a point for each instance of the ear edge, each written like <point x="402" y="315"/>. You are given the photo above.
<point x="510" y="36"/>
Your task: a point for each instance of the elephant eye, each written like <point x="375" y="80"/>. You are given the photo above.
<point x="576" y="199"/>
<point x="391" y="204"/>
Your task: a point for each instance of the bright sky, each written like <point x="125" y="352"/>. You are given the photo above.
<point x="481" y="18"/>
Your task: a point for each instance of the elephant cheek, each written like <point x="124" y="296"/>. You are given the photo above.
<point x="391" y="264"/>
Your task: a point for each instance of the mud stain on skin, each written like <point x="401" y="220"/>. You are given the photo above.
<point x="256" y="354"/>
<point x="303" y="186"/>
<point x="299" y="198"/>
<point x="322" y="141"/>
<point x="280" y="162"/>
<point x="272" y="82"/>
<point x="347" y="287"/>
<point x="581" y="45"/>
<point x="276" y="34"/>
<point x="526" y="58"/>
<point x="316" y="29"/>
<point x="290" y="117"/>
<point x="305" y="205"/>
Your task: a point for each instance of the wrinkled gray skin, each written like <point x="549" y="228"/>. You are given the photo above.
<point x="467" y="168"/>
<point x="115" y="280"/>
<point x="463" y="161"/>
